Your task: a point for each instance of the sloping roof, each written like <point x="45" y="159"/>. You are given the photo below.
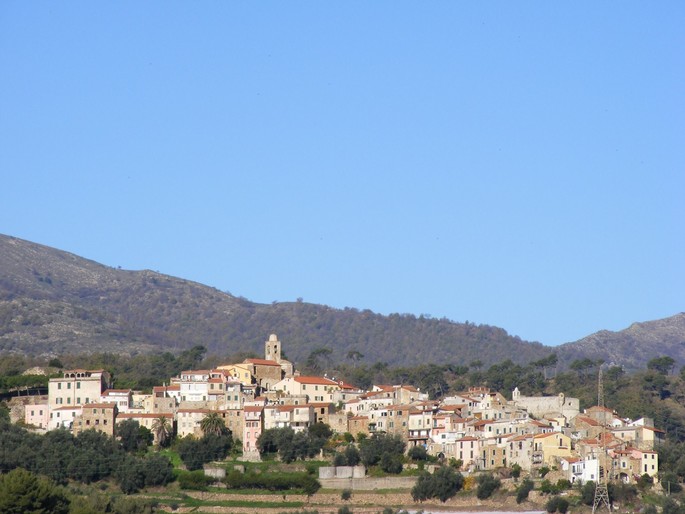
<point x="548" y="434"/>
<point x="315" y="380"/>
<point x="144" y="415"/>
<point x="452" y="407"/>
<point x="586" y="419"/>
<point x="173" y="387"/>
<point x="655" y="430"/>
<point x="521" y="437"/>
<point x="99" y="405"/>
<point x="263" y="362"/>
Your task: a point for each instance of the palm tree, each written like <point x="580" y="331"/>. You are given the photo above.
<point x="213" y="424"/>
<point x="161" y="428"/>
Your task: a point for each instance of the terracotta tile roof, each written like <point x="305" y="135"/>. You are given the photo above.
<point x="543" y="436"/>
<point x="99" y="405"/>
<point x="540" y="424"/>
<point x="588" y="420"/>
<point x="315" y="381"/>
<point x="173" y="387"/>
<point x="452" y="407"/>
<point x="263" y="362"/>
<point x="521" y="437"/>
<point x="195" y="372"/>
<point x="252" y="408"/>
<point x="144" y="415"/>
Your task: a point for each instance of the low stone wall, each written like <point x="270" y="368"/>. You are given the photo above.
<point x="342" y="472"/>
<point x="368" y="483"/>
<point x="215" y="472"/>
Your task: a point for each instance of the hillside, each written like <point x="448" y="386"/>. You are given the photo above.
<point x="634" y="346"/>
<point x="53" y="302"/>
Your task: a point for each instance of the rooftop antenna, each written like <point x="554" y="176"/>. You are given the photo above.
<point x="601" y="489"/>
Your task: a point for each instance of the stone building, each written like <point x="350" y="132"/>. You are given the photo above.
<point x="77" y="387"/>
<point x="96" y="416"/>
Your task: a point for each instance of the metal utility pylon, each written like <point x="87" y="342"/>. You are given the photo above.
<point x="601" y="490"/>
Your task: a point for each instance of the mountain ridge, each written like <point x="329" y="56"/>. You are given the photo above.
<point x="55" y="302"/>
<point x="633" y="346"/>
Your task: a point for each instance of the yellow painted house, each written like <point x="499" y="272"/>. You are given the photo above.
<point x="550" y="447"/>
<point x="240" y="372"/>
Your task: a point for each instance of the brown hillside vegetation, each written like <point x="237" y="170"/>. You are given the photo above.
<point x="54" y="302"/>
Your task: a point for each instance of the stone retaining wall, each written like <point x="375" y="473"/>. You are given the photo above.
<point x="368" y="483"/>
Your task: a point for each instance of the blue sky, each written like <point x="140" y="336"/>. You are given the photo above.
<point x="514" y="164"/>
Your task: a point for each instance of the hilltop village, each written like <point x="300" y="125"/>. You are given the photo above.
<point x="479" y="428"/>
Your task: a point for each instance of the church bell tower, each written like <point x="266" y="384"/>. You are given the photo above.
<point x="272" y="349"/>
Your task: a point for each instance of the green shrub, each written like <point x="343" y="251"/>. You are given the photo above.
<point x="546" y="487"/>
<point x="339" y="460"/>
<point x="443" y="484"/>
<point x="522" y="491"/>
<point x="455" y="463"/>
<point x="487" y="484"/>
<point x="272" y="481"/>
<point x="23" y="491"/>
<point x="346" y="494"/>
<point x="551" y="505"/>
<point x="563" y="484"/>
<point x="194" y="480"/>
<point x="669" y="482"/>
<point x="618" y="491"/>
<point x="645" y="482"/>
<point x="587" y="492"/>
<point x="417" y="453"/>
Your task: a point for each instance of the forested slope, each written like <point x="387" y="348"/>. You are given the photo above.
<point x="56" y="302"/>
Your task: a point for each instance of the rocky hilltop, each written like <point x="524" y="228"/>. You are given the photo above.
<point x="634" y="346"/>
